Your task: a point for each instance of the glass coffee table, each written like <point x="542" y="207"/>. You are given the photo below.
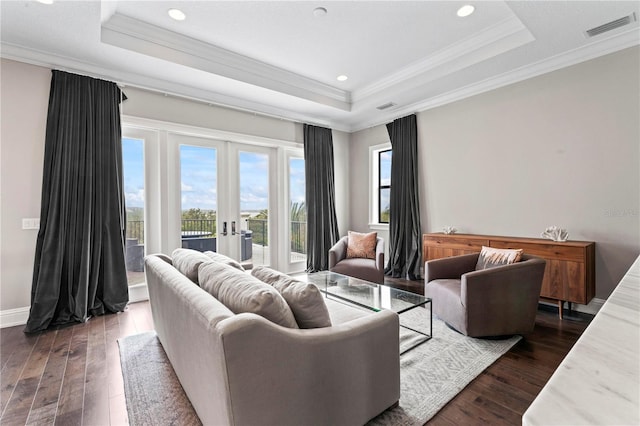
<point x="372" y="296"/>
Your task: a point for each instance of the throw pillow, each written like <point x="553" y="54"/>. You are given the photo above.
<point x="304" y="299"/>
<point x="221" y="258"/>
<point x="491" y="257"/>
<point x="187" y="262"/>
<point x="240" y="292"/>
<point x="362" y="245"/>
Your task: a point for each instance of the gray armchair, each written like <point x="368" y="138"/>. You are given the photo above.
<point x="497" y="301"/>
<point x="366" y="269"/>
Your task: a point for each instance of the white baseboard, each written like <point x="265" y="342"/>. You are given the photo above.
<point x="138" y="293"/>
<point x="13" y="317"/>
<point x="19" y="316"/>
<point x="592" y="308"/>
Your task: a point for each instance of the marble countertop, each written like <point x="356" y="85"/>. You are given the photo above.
<point x="598" y="383"/>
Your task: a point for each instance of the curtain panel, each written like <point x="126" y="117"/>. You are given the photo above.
<point x="405" y="250"/>
<point x="79" y="268"/>
<point x="322" y="224"/>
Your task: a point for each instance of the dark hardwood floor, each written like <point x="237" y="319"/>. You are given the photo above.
<point x="72" y="376"/>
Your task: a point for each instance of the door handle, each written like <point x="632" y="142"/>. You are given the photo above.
<point x="233" y="227"/>
<point x="224" y="228"/>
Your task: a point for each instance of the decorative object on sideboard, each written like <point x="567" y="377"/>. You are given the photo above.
<point x="449" y="230"/>
<point x="556" y="234"/>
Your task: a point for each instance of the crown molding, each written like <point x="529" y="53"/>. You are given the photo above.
<point x="63" y="63"/>
<point x="139" y="36"/>
<point x="596" y="49"/>
<point x="492" y="41"/>
<point x="566" y="59"/>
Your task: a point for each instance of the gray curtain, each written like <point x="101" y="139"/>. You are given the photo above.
<point x="405" y="250"/>
<point x="322" y="224"/>
<point x="79" y="268"/>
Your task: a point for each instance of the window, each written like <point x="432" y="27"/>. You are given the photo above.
<point x="380" y="185"/>
<point x="297" y="211"/>
<point x="384" y="185"/>
<point x="133" y="173"/>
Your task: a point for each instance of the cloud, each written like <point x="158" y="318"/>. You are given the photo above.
<point x="134" y="198"/>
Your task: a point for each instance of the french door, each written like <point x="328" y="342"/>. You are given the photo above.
<point x="226" y="198"/>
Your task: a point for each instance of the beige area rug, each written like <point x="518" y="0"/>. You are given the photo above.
<point x="431" y="375"/>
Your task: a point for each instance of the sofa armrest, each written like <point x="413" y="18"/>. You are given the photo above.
<point x="353" y="368"/>
<point x="337" y="252"/>
<point x="449" y="267"/>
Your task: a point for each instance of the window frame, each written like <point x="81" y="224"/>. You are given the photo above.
<point x="380" y="185"/>
<point x="374" y="185"/>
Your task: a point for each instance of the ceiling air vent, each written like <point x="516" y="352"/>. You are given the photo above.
<point x="385" y="106"/>
<point x="611" y="25"/>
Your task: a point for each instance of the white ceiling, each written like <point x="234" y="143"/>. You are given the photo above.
<point x="279" y="59"/>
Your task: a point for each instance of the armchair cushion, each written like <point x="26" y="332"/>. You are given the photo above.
<point x="304" y="299"/>
<point x="362" y="245"/>
<point x="491" y="257"/>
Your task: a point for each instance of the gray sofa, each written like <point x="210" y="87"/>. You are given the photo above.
<point x="242" y="369"/>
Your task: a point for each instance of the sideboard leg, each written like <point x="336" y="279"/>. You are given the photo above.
<point x="560" y="304"/>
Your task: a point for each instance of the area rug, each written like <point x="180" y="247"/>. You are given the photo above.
<point x="431" y="374"/>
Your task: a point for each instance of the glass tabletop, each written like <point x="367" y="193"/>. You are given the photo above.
<point x="364" y="293"/>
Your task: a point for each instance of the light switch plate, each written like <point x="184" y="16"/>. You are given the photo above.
<point x="31" y="223"/>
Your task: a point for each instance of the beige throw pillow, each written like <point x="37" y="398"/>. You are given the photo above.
<point x="304" y="299"/>
<point x="221" y="258"/>
<point x="491" y="257"/>
<point x="362" y="245"/>
<point x="187" y="262"/>
<point x="240" y="292"/>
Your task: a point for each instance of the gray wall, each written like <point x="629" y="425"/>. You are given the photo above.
<point x="560" y="149"/>
<point x="24" y="101"/>
<point x="25" y="96"/>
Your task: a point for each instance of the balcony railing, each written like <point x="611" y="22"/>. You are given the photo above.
<point x="206" y="228"/>
<point x="135" y="230"/>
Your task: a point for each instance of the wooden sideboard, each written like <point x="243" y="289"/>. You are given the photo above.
<point x="568" y="277"/>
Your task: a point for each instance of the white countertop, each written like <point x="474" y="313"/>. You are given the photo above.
<point x="598" y="383"/>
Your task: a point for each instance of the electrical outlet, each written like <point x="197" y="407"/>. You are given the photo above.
<point x="31" y="223"/>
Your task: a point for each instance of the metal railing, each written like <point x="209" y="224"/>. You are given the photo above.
<point x="135" y="230"/>
<point x="196" y="228"/>
<point x="260" y="229"/>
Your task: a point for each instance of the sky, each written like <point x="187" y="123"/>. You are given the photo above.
<point x="198" y="177"/>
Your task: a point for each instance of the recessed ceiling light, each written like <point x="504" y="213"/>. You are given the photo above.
<point x="177" y="14"/>
<point x="319" y="11"/>
<point x="45" y="1"/>
<point x="342" y="77"/>
<point x="466" y="10"/>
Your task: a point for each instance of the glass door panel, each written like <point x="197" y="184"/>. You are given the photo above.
<point x="254" y="178"/>
<point x="198" y="197"/>
<point x="297" y="211"/>
<point x="133" y="173"/>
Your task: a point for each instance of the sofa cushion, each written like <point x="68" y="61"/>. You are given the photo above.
<point x="491" y="257"/>
<point x="221" y="258"/>
<point x="362" y="245"/>
<point x="304" y="299"/>
<point x="241" y="292"/>
<point x="187" y="262"/>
